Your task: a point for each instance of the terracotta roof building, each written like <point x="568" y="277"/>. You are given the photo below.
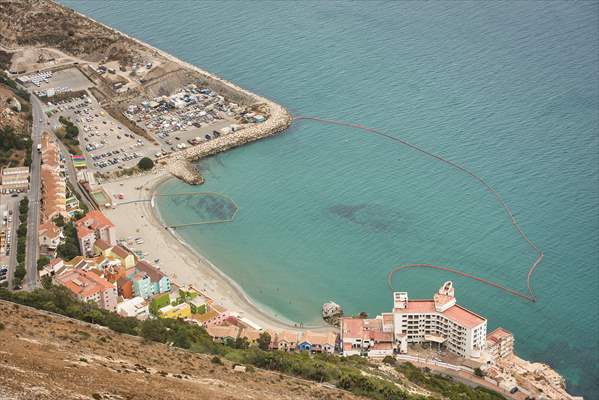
<point x="441" y="321"/>
<point x="53" y="193"/>
<point x="88" y="286"/>
<point x="92" y="227"/>
<point x="373" y="337"/>
<point x="223" y="334"/>
<point x="500" y="343"/>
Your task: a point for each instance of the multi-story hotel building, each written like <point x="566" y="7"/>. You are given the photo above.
<point x="440" y="320"/>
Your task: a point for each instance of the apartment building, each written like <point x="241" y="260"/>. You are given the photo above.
<point x="14" y="180"/>
<point x="92" y="227"/>
<point x="54" y="186"/>
<point x="89" y="286"/>
<point x="500" y="343"/>
<point x="441" y="321"/>
<point x="368" y="336"/>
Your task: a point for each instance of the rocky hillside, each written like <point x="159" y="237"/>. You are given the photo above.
<point x="43" y="356"/>
<point x="44" y="23"/>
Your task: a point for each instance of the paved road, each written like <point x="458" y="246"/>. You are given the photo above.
<point x="32" y="251"/>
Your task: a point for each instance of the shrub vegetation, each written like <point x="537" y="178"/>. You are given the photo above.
<point x="145" y="164"/>
<point x="344" y="372"/>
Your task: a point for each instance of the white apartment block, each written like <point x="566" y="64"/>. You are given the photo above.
<point x="440" y="321"/>
<point x="437" y="321"/>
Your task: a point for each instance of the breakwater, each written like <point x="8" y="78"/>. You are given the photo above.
<point x="179" y="163"/>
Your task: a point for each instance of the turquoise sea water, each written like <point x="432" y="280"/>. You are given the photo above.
<point x="508" y="89"/>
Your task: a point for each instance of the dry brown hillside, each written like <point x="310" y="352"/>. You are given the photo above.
<point x="43" y="356"/>
<point x="44" y="23"/>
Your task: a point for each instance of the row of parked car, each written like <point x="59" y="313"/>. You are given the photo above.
<point x="3" y="273"/>
<point x="122" y="157"/>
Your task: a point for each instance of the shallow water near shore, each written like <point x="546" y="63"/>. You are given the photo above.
<point x="509" y="90"/>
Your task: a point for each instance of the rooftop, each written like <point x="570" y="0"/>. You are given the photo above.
<point x="102" y="244"/>
<point x="95" y="220"/>
<point x="319" y="338"/>
<point x="499" y="334"/>
<point x="83" y="283"/>
<point x="456" y="313"/>
<point x="223" y="331"/>
<point x="150" y="270"/>
<point x="120" y="252"/>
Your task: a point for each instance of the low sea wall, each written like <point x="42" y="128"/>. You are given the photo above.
<point x="179" y="163"/>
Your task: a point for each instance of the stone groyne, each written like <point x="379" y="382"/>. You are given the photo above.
<point x="179" y="164"/>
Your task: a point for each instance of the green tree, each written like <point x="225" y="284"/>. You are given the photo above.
<point x="390" y="360"/>
<point x="264" y="341"/>
<point x="181" y="339"/>
<point x="158" y="302"/>
<point x="24" y="206"/>
<point x="42" y="262"/>
<point x="154" y="330"/>
<point x="241" y="343"/>
<point x="70" y="247"/>
<point x="47" y="282"/>
<point x="59" y="221"/>
<point x="145" y="164"/>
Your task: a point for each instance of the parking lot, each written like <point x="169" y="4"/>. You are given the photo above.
<point x="184" y="119"/>
<point x="188" y="117"/>
<point x="106" y="143"/>
<point x="8" y="234"/>
<point x="70" y="79"/>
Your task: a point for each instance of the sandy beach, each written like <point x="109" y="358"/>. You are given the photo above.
<point x="135" y="217"/>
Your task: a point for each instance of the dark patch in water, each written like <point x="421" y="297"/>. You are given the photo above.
<point x="372" y="216"/>
<point x="206" y="207"/>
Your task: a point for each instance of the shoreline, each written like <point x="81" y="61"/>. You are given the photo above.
<point x="179" y="163"/>
<point x="192" y="267"/>
<point x="183" y="263"/>
<point x="179" y="166"/>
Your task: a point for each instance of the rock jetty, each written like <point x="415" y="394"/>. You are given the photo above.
<point x="179" y="164"/>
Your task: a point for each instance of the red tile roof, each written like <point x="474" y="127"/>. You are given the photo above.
<point x="318" y="338"/>
<point x="119" y="251"/>
<point x="499" y="334"/>
<point x="83" y="283"/>
<point x="455" y="313"/>
<point x="151" y="271"/>
<point x="287" y="336"/>
<point x="83" y="231"/>
<point x="223" y="331"/>
<point x="102" y="244"/>
<point x="95" y="220"/>
<point x="463" y="316"/>
<point x="49" y="229"/>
